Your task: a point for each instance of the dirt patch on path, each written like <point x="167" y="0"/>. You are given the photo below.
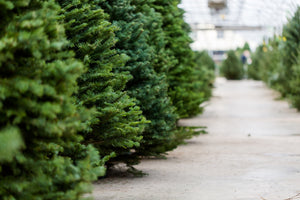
<point x="252" y="152"/>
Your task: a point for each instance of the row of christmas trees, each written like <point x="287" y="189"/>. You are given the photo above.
<point x="277" y="61"/>
<point x="85" y="84"/>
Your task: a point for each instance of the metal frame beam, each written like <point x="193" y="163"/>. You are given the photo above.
<point x="233" y="28"/>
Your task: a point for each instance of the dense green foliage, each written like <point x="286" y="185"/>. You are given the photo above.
<point x="85" y="84"/>
<point x="184" y="89"/>
<point x="294" y="84"/>
<point x="291" y="44"/>
<point x="277" y="61"/>
<point x="153" y="24"/>
<point x="147" y="86"/>
<point x="290" y="53"/>
<point x="43" y="158"/>
<point x="232" y="67"/>
<point x="203" y="59"/>
<point x="267" y="64"/>
<point x="254" y="67"/>
<point x="204" y="71"/>
<point x="117" y="124"/>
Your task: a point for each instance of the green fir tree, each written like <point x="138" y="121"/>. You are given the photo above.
<point x="153" y="24"/>
<point x="147" y="86"/>
<point x="39" y="120"/>
<point x="163" y="61"/>
<point x="291" y="49"/>
<point x="204" y="71"/>
<point x="289" y="76"/>
<point x="117" y="124"/>
<point x="232" y="67"/>
<point x="254" y="69"/>
<point x="184" y="90"/>
<point x="292" y="37"/>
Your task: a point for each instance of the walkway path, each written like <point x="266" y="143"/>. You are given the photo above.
<point x="252" y="152"/>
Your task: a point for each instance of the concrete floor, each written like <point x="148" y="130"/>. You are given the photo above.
<point x="251" y="152"/>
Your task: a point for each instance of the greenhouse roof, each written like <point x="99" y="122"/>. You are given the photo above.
<point x="241" y="20"/>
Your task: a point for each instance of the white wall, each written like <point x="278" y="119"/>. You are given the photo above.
<point x="209" y="40"/>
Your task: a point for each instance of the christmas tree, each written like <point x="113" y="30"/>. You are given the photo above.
<point x="204" y="71"/>
<point x="117" y="123"/>
<point x="232" y="67"/>
<point x="290" y="55"/>
<point x="147" y="86"/>
<point x="39" y="120"/>
<point x="184" y="90"/>
<point x="289" y="73"/>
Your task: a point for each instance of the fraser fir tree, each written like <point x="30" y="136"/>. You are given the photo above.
<point x="184" y="90"/>
<point x="153" y="24"/>
<point x="295" y="84"/>
<point x="117" y="123"/>
<point x="162" y="62"/>
<point x="290" y="53"/>
<point x="254" y="68"/>
<point x="289" y="75"/>
<point x="203" y="59"/>
<point x="38" y="119"/>
<point x="292" y="40"/>
<point x="232" y="67"/>
<point x="204" y="71"/>
<point x="147" y="86"/>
